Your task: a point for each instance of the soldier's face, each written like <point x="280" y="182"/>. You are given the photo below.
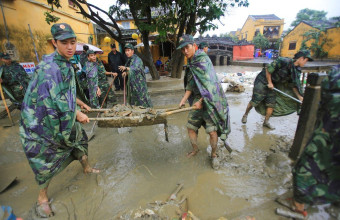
<point x="92" y="57"/>
<point x="205" y="49"/>
<point x="66" y="48"/>
<point x="189" y="50"/>
<point x="129" y="52"/>
<point x="302" y="61"/>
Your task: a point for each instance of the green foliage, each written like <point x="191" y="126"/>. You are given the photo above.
<point x="231" y="37"/>
<point x="337" y="21"/>
<point x="261" y="42"/>
<point x="304" y="45"/>
<point x="49" y="18"/>
<point x="309" y="15"/>
<point x="277" y="44"/>
<point x="54" y="3"/>
<point x="318" y="40"/>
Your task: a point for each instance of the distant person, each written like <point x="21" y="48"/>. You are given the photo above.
<point x="13" y="79"/>
<point x="159" y="63"/>
<point x="91" y="73"/>
<point x="104" y="85"/>
<point x="204" y="46"/>
<point x="50" y="129"/>
<point x="137" y="90"/>
<point x="203" y="91"/>
<point x="116" y="59"/>
<point x="83" y="56"/>
<point x="283" y="72"/>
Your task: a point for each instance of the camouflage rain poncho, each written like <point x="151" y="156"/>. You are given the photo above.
<point x="104" y="85"/>
<point x="91" y="72"/>
<point x="137" y="90"/>
<point x="50" y="135"/>
<point x="211" y="90"/>
<point x="316" y="175"/>
<point x="14" y="81"/>
<point x="285" y="76"/>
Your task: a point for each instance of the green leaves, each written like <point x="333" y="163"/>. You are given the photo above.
<point x="260" y="42"/>
<point x="309" y="15"/>
<point x="49" y="18"/>
<point x="317" y="39"/>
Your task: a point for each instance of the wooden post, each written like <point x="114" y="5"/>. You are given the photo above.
<point x="308" y="113"/>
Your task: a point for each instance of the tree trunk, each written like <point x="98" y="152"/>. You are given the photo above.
<point x="147" y="59"/>
<point x="177" y="64"/>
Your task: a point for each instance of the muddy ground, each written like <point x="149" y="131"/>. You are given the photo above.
<point x="140" y="169"/>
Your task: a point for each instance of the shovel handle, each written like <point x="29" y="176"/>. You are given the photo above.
<point x="5" y="104"/>
<point x="180" y="110"/>
<point x="285" y="94"/>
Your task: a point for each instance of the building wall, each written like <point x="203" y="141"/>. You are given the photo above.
<point x="248" y="30"/>
<point x="19" y="14"/>
<point x="333" y="45"/>
<point x="251" y="26"/>
<point x="296" y="35"/>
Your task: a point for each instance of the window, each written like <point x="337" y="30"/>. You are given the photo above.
<point x="292" y="46"/>
<point x="126" y="24"/>
<point x="71" y="4"/>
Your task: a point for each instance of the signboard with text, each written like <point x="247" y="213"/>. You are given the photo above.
<point x="29" y="67"/>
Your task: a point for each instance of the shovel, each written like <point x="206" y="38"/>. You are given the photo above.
<point x="5" y="104"/>
<point x="289" y="96"/>
<point x="91" y="135"/>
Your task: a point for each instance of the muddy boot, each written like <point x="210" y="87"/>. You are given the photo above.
<point x="215" y="163"/>
<point x="267" y="125"/>
<point x="244" y="118"/>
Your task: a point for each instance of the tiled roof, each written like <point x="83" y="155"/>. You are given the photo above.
<point x="265" y="17"/>
<point x="322" y="23"/>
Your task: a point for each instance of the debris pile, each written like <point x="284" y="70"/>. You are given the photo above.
<point x="236" y="82"/>
<point x="132" y="111"/>
<point x="172" y="208"/>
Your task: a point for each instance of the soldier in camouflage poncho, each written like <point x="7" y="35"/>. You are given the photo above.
<point x="14" y="80"/>
<point x="91" y="72"/>
<point x="284" y="74"/>
<point x="104" y="85"/>
<point x="205" y="92"/>
<point x="83" y="56"/>
<point x="137" y="90"/>
<point x="316" y="175"/>
<point x="50" y="129"/>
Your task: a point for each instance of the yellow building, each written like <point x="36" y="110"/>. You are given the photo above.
<point x="20" y="14"/>
<point x="270" y="26"/>
<point x="129" y="32"/>
<point x="292" y="41"/>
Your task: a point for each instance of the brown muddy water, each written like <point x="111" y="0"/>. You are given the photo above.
<point x="139" y="169"/>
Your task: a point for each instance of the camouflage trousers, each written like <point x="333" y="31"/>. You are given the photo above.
<point x="261" y="92"/>
<point x="49" y="160"/>
<point x="316" y="176"/>
<point x="200" y="117"/>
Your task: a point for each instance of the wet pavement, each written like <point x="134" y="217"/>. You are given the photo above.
<point x="140" y="168"/>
